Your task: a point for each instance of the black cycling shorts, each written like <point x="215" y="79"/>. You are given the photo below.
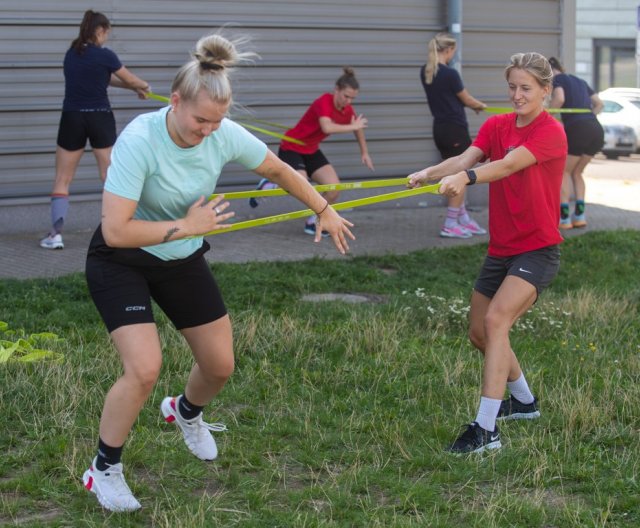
<point x="451" y="139"/>
<point x="122" y="283"/>
<point x="306" y="162"/>
<point x="538" y="267"/>
<point x="585" y="137"/>
<point x="99" y="127"/>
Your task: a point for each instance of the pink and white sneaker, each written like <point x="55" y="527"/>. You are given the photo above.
<point x="473" y="227"/>
<point x="456" y="231"/>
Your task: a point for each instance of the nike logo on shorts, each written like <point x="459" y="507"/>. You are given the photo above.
<point x="524" y="270"/>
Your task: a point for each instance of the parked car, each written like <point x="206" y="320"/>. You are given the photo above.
<point x="621" y="108"/>
<point x="629" y="93"/>
<point x="619" y="140"/>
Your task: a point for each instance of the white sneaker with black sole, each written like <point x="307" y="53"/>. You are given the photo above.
<point x="52" y="242"/>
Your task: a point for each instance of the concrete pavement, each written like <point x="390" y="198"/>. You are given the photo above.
<point x="398" y="227"/>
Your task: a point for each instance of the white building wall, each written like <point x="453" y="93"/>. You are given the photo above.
<point x="303" y="45"/>
<point x="595" y="19"/>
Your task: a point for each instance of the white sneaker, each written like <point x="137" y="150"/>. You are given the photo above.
<point x="52" y="242"/>
<point x="110" y="488"/>
<point x="196" y="432"/>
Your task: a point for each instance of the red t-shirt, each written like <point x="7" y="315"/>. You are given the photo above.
<point x="308" y="128"/>
<point x="524" y="208"/>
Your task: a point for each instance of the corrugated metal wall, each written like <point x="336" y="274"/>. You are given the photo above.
<point x="303" y="45"/>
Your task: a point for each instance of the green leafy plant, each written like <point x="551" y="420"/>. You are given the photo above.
<point x="27" y="348"/>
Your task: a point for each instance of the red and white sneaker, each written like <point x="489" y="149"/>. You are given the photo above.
<point x="456" y="231"/>
<point x="110" y="488"/>
<point x="196" y="433"/>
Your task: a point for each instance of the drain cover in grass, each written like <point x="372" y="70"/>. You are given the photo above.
<point x="344" y="297"/>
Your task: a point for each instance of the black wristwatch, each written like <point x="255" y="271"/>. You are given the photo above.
<point x="471" y="174"/>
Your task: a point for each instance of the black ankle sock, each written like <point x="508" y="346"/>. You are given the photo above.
<point x="579" y="207"/>
<point x="107" y="455"/>
<point x="187" y="409"/>
<point x="564" y="210"/>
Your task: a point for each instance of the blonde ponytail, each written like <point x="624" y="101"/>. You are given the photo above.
<point x="439" y="43"/>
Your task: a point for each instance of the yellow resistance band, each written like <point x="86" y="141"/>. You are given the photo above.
<point x="277" y="135"/>
<point x="346" y="186"/>
<point x="433" y="189"/>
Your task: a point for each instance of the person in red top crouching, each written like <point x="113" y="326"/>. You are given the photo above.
<point x="331" y="113"/>
<point x="527" y="150"/>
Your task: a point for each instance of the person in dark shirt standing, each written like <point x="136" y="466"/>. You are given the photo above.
<point x="89" y="68"/>
<point x="585" y="136"/>
<point x="447" y="97"/>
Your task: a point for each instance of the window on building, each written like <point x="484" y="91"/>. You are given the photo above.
<point x="615" y="63"/>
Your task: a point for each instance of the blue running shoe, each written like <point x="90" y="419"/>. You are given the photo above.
<point x="263" y="185"/>
<point x="310" y="229"/>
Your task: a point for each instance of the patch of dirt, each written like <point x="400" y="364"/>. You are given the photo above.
<point x="351" y="298"/>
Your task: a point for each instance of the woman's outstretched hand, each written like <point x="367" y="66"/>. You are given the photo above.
<point x="337" y="227"/>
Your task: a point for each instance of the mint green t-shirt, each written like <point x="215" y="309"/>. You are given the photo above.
<point x="165" y="180"/>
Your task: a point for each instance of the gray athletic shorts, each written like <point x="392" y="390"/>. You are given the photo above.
<point x="538" y="267"/>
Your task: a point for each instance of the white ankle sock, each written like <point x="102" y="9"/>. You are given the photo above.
<point x="487" y="413"/>
<point x="520" y="390"/>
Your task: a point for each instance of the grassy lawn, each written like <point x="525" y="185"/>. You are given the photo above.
<point x="338" y="413"/>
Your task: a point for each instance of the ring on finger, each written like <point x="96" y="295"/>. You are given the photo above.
<point x="216" y="210"/>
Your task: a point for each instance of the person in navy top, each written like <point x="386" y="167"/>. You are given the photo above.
<point x="89" y="68"/>
<point x="585" y="136"/>
<point x="447" y="98"/>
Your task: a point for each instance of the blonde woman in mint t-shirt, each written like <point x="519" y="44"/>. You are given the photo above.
<point x="150" y="246"/>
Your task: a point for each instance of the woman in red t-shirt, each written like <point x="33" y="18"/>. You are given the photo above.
<point x="526" y="150"/>
<point x="331" y="113"/>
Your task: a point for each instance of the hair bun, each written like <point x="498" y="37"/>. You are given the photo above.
<point x="215" y="53"/>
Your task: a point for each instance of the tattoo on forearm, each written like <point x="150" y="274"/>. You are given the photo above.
<point x="170" y="233"/>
